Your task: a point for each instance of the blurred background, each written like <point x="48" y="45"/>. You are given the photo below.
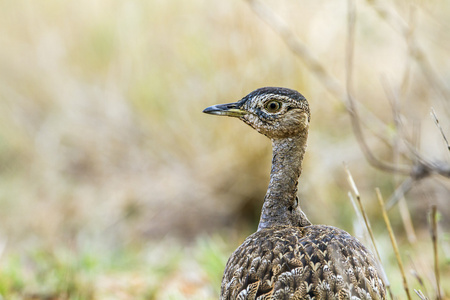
<point x="114" y="185"/>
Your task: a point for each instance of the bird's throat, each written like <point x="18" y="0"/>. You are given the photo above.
<point x="281" y="206"/>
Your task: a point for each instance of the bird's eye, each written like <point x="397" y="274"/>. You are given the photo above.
<point x="273" y="106"/>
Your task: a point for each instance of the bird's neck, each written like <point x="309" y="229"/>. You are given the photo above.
<point x="281" y="207"/>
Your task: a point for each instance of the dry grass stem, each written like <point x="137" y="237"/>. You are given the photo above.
<point x="407" y="221"/>
<point x="434" y="238"/>
<point x="420" y="294"/>
<point x="378" y="258"/>
<point x="362" y="212"/>
<point x="415" y="273"/>
<point x="394" y="242"/>
<point x="351" y="181"/>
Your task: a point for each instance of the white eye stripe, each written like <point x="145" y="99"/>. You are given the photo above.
<point x="287" y="103"/>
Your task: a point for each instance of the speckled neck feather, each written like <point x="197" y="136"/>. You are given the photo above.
<point x="281" y="202"/>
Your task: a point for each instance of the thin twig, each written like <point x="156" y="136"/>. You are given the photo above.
<point x="394" y="242"/>
<point x="399" y="192"/>
<point x="434" y="238"/>
<point x="436" y="121"/>
<point x="422" y="167"/>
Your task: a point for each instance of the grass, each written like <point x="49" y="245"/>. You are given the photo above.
<point x="159" y="271"/>
<point x="113" y="185"/>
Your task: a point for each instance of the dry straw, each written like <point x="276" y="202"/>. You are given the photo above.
<point x="434" y="238"/>
<point x="394" y="242"/>
<point x="362" y="212"/>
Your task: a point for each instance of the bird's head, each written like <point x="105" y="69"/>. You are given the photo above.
<point x="273" y="111"/>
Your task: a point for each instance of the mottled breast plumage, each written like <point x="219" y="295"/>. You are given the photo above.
<point x="312" y="262"/>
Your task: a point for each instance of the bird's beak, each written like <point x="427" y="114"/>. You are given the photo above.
<point x="230" y="110"/>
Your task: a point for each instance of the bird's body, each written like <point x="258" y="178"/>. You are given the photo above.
<point x="311" y="262"/>
<point x="288" y="257"/>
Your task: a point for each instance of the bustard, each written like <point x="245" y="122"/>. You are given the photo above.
<point x="288" y="257"/>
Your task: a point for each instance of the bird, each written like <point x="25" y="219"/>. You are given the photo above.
<point x="288" y="257"/>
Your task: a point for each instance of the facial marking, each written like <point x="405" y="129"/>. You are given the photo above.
<point x="276" y="115"/>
